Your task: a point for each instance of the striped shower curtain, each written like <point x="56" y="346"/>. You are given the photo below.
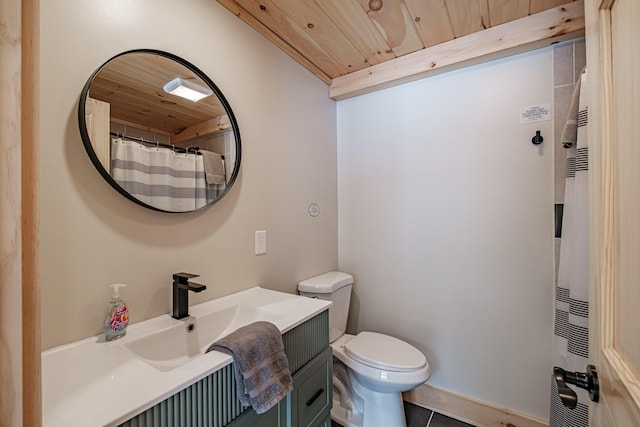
<point x="159" y="177"/>
<point x="571" y="332"/>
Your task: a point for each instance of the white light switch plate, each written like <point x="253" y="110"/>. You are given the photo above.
<point x="261" y="242"/>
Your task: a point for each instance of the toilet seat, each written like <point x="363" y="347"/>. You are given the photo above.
<point x="384" y="352"/>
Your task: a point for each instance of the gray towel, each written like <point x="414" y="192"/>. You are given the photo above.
<point x="261" y="366"/>
<point x="213" y="167"/>
<point x="570" y="130"/>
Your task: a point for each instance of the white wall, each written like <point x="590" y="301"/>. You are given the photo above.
<point x="91" y="236"/>
<point x="445" y="220"/>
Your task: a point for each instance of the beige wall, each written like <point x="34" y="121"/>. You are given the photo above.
<point x="91" y="236"/>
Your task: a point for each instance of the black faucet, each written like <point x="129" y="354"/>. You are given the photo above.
<point x="181" y="288"/>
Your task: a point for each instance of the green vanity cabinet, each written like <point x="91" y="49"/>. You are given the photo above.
<point x="308" y="405"/>
<point x="311" y="397"/>
<point x="274" y="417"/>
<point x="212" y="401"/>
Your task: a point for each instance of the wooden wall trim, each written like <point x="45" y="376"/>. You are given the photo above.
<point x="10" y="216"/>
<point x="531" y="32"/>
<point x="468" y="410"/>
<point x="30" y="119"/>
<point x="20" y="401"/>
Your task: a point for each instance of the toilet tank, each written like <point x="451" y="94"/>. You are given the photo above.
<point x="333" y="286"/>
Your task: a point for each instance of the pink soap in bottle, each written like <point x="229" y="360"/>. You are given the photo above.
<point x="116" y="316"/>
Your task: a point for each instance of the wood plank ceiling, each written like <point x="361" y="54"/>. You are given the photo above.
<point x="132" y="86"/>
<point x="343" y="40"/>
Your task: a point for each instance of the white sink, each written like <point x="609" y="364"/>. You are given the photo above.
<point x="190" y="337"/>
<point x="155" y="359"/>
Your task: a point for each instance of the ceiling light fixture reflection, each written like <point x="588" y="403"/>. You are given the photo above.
<point x="186" y="89"/>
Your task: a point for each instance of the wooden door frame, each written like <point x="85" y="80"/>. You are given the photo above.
<point x="20" y="377"/>
<point x="30" y="124"/>
<point x="602" y="232"/>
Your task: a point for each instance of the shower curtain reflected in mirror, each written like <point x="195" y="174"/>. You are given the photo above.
<point x="159" y="177"/>
<point x="571" y="329"/>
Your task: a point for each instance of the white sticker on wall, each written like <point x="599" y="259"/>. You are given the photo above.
<point x="535" y="113"/>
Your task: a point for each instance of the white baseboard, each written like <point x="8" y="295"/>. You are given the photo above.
<point x="465" y="409"/>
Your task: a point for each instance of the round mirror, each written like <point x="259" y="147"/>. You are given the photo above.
<point x="160" y="131"/>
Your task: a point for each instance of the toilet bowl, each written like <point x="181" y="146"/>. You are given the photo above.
<point x="371" y="370"/>
<point x="380" y="368"/>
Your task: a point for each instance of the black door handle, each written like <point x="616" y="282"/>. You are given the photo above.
<point x="585" y="380"/>
<point x="315" y="397"/>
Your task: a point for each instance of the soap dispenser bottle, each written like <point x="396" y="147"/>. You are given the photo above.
<point x="116" y="316"/>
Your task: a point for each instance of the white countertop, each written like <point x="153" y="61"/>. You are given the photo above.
<point x="97" y="383"/>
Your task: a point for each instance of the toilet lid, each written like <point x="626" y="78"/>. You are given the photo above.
<point x="384" y="352"/>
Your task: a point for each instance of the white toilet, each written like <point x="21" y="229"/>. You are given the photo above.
<point x="370" y="370"/>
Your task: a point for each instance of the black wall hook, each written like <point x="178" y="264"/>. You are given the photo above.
<point x="537" y="140"/>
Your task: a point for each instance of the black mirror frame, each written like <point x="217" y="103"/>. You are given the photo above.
<point x="100" y="167"/>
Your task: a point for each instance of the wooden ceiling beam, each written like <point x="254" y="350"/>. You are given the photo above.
<point x="208" y="127"/>
<point x="531" y="32"/>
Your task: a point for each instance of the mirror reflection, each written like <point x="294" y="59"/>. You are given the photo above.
<point x="160" y="131"/>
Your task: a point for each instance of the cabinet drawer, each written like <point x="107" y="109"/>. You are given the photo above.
<point x="274" y="417"/>
<point x="313" y="390"/>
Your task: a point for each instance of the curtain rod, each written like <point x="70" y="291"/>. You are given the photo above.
<point x="196" y="150"/>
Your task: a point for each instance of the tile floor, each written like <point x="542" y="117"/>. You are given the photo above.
<point x="420" y="417"/>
